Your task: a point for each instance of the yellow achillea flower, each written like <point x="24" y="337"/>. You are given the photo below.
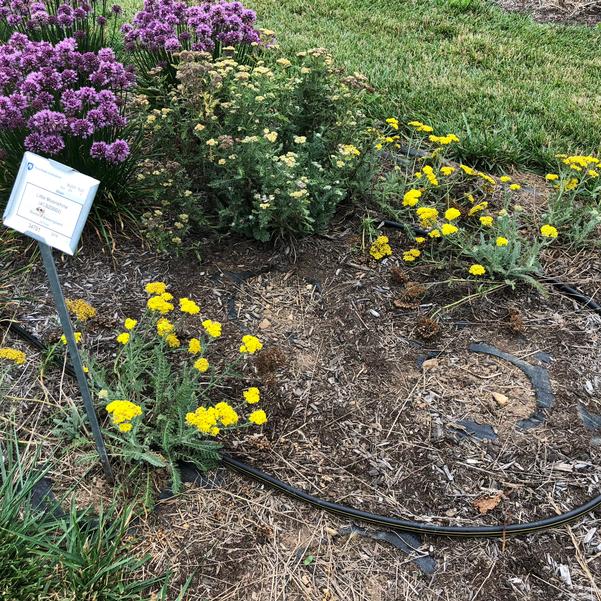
<point x="477" y="269"/>
<point x="487" y="178"/>
<point x="250" y="344"/>
<point x="419" y="126"/>
<point x="81" y="309"/>
<point x="187" y="305"/>
<point x="258" y="417"/>
<point x="427" y="215"/>
<point x="271" y="136"/>
<point x="202" y="365"/>
<point x="252" y="395"/>
<point x="349" y="150"/>
<point x="551" y="177"/>
<point x="380" y="248"/>
<point x="226" y="414"/>
<point x="429" y="173"/>
<point x="76" y="335"/>
<point x="212" y="328"/>
<point x="548" y="231"/>
<point x="486" y="221"/>
<point x="411" y="254"/>
<point x="411" y="197"/>
<point x="573" y="183"/>
<point x="394" y="123"/>
<point x="156" y="303"/>
<point x="448" y="229"/>
<point x="434" y="233"/>
<point x="444" y="140"/>
<point x="447" y="170"/>
<point x="130" y="324"/>
<point x="467" y="170"/>
<point x="505" y="178"/>
<point x="123" y="411"/>
<point x="12" y="354"/>
<point x="166" y="296"/>
<point x="123" y="338"/>
<point x="420" y="240"/>
<point x="164" y="327"/>
<point x="155" y="287"/>
<point x="172" y="341"/>
<point x="592" y="173"/>
<point x="515" y="187"/>
<point x="194" y="346"/>
<point x="501" y="241"/>
<point x="125" y="427"/>
<point x="479" y="207"/>
<point x="452" y="214"/>
<point x="204" y="420"/>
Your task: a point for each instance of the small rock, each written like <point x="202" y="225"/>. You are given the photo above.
<point x="430" y="364"/>
<point x="500" y="399"/>
<point x="265" y="324"/>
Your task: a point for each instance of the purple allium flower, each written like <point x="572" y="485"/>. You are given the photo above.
<point x="101" y="20"/>
<point x="52" y="94"/>
<point x="116" y="9"/>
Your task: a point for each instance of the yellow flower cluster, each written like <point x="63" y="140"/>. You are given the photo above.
<point x="123" y="338"/>
<point x="76" y="335"/>
<point x="156" y="288"/>
<point x="578" y="162"/>
<point x="122" y="412"/>
<point x="548" y="231"/>
<point x="252" y="395"/>
<point x="212" y="328"/>
<point x="258" y="417"/>
<point x="349" y="150"/>
<point x="130" y="324"/>
<point x="411" y="197"/>
<point x="394" y="123"/>
<point x="164" y="327"/>
<point x="202" y="365"/>
<point x="419" y="126"/>
<point x="160" y="304"/>
<point x="81" y="309"/>
<point x="250" y="344"/>
<point x="12" y="354"/>
<point x="477" y="269"/>
<point x="447" y="170"/>
<point x="448" y="229"/>
<point x="501" y="241"/>
<point x="452" y="214"/>
<point x="172" y="341"/>
<point x="411" y="254"/>
<point x="207" y="420"/>
<point x="443" y="140"/>
<point x="187" y="305"/>
<point x="429" y="173"/>
<point x="427" y="215"/>
<point x="380" y="248"/>
<point x="194" y="346"/>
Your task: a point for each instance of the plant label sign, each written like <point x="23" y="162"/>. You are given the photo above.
<point x="50" y="202"/>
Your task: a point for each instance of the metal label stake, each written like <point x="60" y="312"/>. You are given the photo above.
<point x="50" y="203"/>
<point x="63" y="315"/>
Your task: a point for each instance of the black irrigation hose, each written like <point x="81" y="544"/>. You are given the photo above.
<point x="500" y="530"/>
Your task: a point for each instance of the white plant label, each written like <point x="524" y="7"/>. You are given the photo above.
<point x="50" y="202"/>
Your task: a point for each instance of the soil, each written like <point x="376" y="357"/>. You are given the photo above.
<point x="365" y="375"/>
<point x="571" y="12"/>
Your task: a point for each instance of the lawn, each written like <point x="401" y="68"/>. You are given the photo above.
<point x="515" y="91"/>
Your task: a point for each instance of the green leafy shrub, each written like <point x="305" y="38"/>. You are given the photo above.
<point x="274" y="146"/>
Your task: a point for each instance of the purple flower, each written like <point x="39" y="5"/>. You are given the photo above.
<point x="98" y="150"/>
<point x="46" y="144"/>
<point x="118" y="151"/>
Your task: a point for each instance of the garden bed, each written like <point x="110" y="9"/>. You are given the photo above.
<point x="354" y="418"/>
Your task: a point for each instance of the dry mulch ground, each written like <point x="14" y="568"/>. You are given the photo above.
<point x="358" y="417"/>
<point x="572" y="12"/>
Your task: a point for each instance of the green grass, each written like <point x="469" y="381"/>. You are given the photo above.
<point x="515" y="91"/>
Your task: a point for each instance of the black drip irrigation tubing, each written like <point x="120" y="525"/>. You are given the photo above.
<point x="403" y="525"/>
